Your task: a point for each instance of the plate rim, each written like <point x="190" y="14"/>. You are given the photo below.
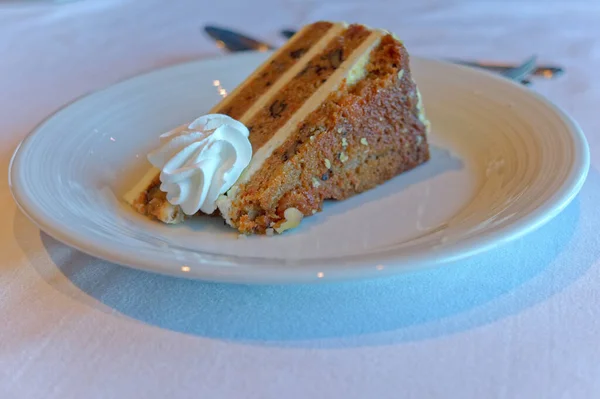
<point x="535" y="219"/>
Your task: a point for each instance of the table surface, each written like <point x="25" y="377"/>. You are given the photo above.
<point x="520" y="322"/>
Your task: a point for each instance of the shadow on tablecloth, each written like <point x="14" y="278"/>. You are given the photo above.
<point x="410" y="307"/>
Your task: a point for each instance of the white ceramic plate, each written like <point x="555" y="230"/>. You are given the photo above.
<point x="504" y="162"/>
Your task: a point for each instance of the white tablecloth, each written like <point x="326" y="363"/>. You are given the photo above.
<point x="520" y="322"/>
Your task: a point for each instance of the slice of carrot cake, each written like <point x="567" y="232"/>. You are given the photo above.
<point x="331" y="114"/>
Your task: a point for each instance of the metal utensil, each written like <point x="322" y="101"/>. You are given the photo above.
<point x="544" y="71"/>
<point x="522" y="71"/>
<point x="287" y="33"/>
<point x="234" y="41"/>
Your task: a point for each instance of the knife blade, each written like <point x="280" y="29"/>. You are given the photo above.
<point x="234" y="41"/>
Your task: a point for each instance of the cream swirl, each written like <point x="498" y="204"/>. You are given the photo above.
<point x="201" y="161"/>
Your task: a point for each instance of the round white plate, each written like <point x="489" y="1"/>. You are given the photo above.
<point x="504" y="161"/>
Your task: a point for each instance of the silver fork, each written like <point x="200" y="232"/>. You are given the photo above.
<point x="521" y="72"/>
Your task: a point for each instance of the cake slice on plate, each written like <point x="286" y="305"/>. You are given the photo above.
<point x="331" y="114"/>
